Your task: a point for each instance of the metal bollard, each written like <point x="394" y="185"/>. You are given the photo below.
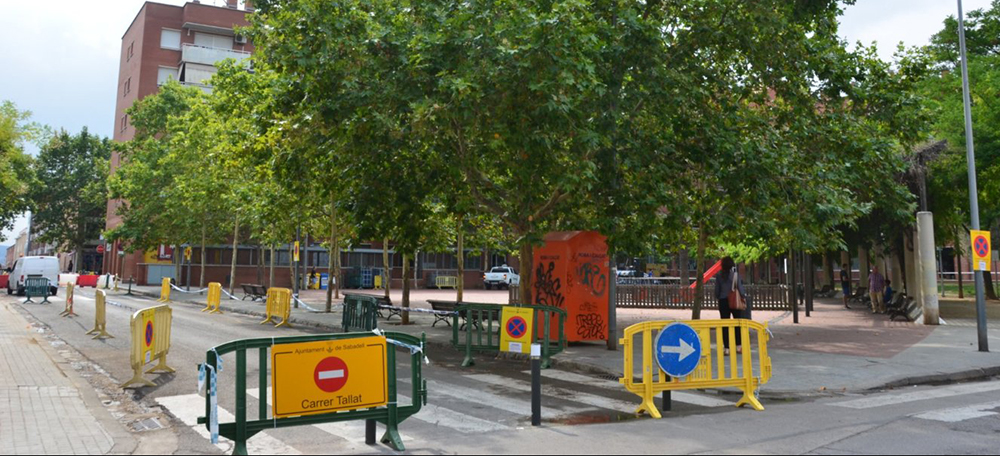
<point x="536" y="385"/>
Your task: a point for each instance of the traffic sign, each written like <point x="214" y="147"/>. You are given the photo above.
<point x="517" y="325"/>
<point x="100" y="248"/>
<point x="187" y="253"/>
<point x="678" y="350"/>
<point x="981" y="255"/>
<point x="296" y="259"/>
<point x="148" y="321"/>
<point x="312" y="378"/>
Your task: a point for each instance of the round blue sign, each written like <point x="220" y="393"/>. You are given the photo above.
<point x="516" y="327"/>
<point x="678" y="350"/>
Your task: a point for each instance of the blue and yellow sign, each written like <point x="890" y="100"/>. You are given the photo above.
<point x="515" y="334"/>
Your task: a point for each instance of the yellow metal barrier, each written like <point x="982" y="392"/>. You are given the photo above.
<point x="150" y="330"/>
<point x="164" y="291"/>
<point x="446" y="282"/>
<point x="68" y="311"/>
<point x="100" y="316"/>
<point x="378" y="282"/>
<point x="279" y="305"/>
<point x="214" y="298"/>
<point x="743" y="372"/>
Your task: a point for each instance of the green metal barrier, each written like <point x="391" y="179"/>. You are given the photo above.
<point x="37" y="286"/>
<point x="482" y="326"/>
<point x="360" y="313"/>
<point x="390" y="415"/>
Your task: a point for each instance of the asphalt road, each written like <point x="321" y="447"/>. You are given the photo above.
<point x="485" y="409"/>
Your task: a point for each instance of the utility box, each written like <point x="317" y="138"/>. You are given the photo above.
<point x="571" y="272"/>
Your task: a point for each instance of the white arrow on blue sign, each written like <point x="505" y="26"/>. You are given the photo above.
<point x="675" y="346"/>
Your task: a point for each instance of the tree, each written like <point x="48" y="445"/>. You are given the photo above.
<point x="15" y="164"/>
<point x="69" y="199"/>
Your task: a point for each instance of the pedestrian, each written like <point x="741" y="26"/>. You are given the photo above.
<point x="728" y="281"/>
<point x="845" y="283"/>
<point x="887" y="298"/>
<point x="876" y="286"/>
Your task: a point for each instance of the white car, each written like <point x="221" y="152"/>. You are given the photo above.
<point x="34" y="266"/>
<point x="501" y="276"/>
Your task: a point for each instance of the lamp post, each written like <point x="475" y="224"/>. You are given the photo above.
<point x="973" y="197"/>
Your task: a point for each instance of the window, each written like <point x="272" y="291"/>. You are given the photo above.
<point x="165" y="74"/>
<point x="170" y="39"/>
<point x="213" y="41"/>
<point x="193" y="73"/>
<point x="127" y="87"/>
<point x="130" y="53"/>
<point x="124" y="122"/>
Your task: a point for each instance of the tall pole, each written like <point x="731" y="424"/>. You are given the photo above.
<point x="973" y="196"/>
<point x="295" y="264"/>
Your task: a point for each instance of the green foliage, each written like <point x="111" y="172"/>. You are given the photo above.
<point x="69" y="197"/>
<point x="15" y="164"/>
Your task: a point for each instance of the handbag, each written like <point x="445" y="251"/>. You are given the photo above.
<point x="736" y="301"/>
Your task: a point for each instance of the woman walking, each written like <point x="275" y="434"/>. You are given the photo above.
<point x="729" y="285"/>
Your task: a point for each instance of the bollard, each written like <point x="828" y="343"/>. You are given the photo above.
<point x="150" y="330"/>
<point x="536" y="385"/>
<point x="100" y="316"/>
<point x="214" y="298"/>
<point x="68" y="312"/>
<point x="164" y="290"/>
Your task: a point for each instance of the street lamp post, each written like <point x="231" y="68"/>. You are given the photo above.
<point x="973" y="197"/>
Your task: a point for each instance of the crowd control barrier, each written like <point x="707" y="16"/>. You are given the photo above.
<point x="711" y="371"/>
<point x="360" y="313"/>
<point x="150" y="330"/>
<point x="100" y="316"/>
<point x="164" y="290"/>
<point x="481" y="330"/>
<point x="279" y="305"/>
<point x="366" y="375"/>
<point x="446" y="282"/>
<point x="68" y="311"/>
<point x="35" y="287"/>
<point x="214" y="298"/>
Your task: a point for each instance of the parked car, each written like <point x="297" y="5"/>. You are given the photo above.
<point x="34" y="266"/>
<point x="501" y="276"/>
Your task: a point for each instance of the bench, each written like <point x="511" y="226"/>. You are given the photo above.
<point x="442" y="306"/>
<point x="254" y="292"/>
<point x="909" y="310"/>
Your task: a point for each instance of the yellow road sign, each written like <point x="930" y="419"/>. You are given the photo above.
<point x="981" y="248"/>
<point x="187" y="253"/>
<point x="296" y="251"/>
<point x="515" y="334"/>
<point x="312" y="378"/>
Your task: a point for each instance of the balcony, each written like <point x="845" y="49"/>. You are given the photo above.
<point x="209" y="56"/>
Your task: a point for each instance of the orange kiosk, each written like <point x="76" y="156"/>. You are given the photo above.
<point x="571" y="272"/>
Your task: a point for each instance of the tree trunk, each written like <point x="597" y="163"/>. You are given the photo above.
<point x="406" y="288"/>
<point x="527" y="272"/>
<point x="336" y="260"/>
<point x="292" y="266"/>
<point x="305" y="263"/>
<point x="958" y="262"/>
<point x="201" y="277"/>
<point x="260" y="264"/>
<point x="699" y="273"/>
<point x="991" y="292"/>
<point x="270" y="277"/>
<point x="460" y="286"/>
<point x="178" y="264"/>
<point x="77" y="256"/>
<point x="386" y="268"/>
<point x="236" y="252"/>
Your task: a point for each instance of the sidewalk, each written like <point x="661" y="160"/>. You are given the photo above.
<point x="834" y="350"/>
<point x="44" y="407"/>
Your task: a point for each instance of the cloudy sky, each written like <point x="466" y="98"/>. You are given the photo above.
<point x="60" y="57"/>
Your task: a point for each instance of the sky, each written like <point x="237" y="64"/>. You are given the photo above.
<point x="60" y="57"/>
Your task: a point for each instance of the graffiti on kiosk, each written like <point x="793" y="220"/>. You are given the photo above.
<point x="590" y="326"/>
<point x="548" y="289"/>
<point x="591" y="277"/>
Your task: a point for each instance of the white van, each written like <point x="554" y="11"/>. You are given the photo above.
<point x="34" y="266"/>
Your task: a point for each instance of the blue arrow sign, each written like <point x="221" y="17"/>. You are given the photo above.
<point x="678" y="350"/>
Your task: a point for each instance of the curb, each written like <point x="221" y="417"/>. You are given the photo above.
<point x="591" y="369"/>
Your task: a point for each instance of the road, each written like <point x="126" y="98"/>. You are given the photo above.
<point x="486" y="409"/>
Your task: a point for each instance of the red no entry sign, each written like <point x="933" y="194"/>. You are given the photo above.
<point x="330" y="374"/>
<point x="516" y="327"/>
<point x="100" y="248"/>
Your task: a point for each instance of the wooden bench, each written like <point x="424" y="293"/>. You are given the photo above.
<point x="254" y="292"/>
<point x="442" y="306"/>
